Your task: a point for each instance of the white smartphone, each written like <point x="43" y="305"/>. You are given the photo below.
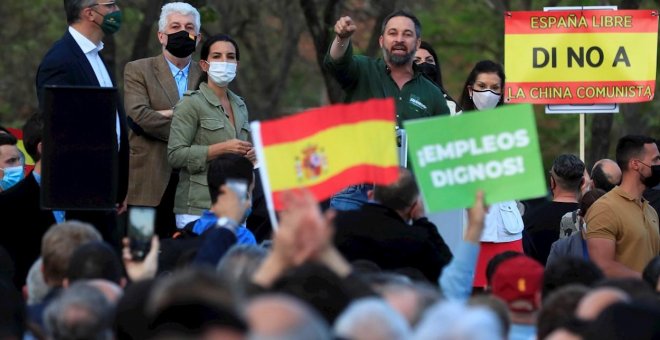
<point x="141" y="221"/>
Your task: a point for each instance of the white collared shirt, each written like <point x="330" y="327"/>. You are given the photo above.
<point x="92" y="53"/>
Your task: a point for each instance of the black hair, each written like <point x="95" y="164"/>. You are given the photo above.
<point x="7" y="139"/>
<point x="495" y="261"/>
<point x="484" y="66"/>
<point x="307" y="280"/>
<point x="94" y="260"/>
<point x="399" y="195"/>
<point x="402" y="13"/>
<point x="33" y="135"/>
<point x="227" y="165"/>
<point x="559" y="309"/>
<point x="629" y="147"/>
<point x="206" y="49"/>
<point x="568" y="172"/>
<point x="570" y="270"/>
<point x="426" y="46"/>
<point x="72" y="9"/>
<point x="636" y="320"/>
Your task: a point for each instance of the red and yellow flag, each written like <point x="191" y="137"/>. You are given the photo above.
<point x="29" y="163"/>
<point x="326" y="149"/>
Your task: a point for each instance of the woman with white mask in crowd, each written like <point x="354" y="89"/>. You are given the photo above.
<point x="503" y="225"/>
<point x="207" y="123"/>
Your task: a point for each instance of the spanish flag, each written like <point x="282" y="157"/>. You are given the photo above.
<point x="29" y="163"/>
<point x="327" y="149"/>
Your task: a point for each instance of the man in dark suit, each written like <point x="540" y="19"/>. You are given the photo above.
<point x="152" y="86"/>
<point x="22" y="231"/>
<point x="380" y="231"/>
<point x="75" y="60"/>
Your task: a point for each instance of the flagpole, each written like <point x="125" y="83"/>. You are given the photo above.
<point x="582" y="123"/>
<point x="263" y="172"/>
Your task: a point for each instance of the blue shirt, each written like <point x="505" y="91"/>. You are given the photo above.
<point x="180" y="77"/>
<point x="208" y="220"/>
<point x="456" y="279"/>
<point x="522" y="332"/>
<point x="60" y="216"/>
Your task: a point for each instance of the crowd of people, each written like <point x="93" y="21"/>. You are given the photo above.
<point x="366" y="265"/>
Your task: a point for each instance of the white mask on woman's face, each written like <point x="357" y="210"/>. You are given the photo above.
<point x="222" y="73"/>
<point x="485" y="99"/>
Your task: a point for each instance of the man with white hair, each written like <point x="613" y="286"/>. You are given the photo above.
<point x="455" y="320"/>
<point x="152" y="87"/>
<point x="81" y="312"/>
<point x="284" y="317"/>
<point x="372" y="319"/>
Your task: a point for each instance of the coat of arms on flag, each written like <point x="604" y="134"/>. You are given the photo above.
<point x="327" y="149"/>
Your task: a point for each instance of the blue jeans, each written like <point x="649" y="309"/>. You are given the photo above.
<point x="351" y="198"/>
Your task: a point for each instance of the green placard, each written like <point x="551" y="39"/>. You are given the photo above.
<point x="496" y="151"/>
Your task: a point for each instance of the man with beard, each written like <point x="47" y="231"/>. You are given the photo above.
<point x="622" y="228"/>
<point x="393" y="76"/>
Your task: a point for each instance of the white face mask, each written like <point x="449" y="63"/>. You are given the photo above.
<point x="486" y="99"/>
<point x="222" y="73"/>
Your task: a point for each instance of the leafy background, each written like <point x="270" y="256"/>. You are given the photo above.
<point x="283" y="41"/>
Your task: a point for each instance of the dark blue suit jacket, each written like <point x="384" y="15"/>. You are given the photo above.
<point x="66" y="64"/>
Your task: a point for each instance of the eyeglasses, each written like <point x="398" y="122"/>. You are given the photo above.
<point x="108" y="5"/>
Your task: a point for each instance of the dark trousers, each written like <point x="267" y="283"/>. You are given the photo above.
<point x="104" y="221"/>
<point x="259" y="222"/>
<point x="165" y="220"/>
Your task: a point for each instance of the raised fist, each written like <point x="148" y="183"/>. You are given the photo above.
<point x="345" y="27"/>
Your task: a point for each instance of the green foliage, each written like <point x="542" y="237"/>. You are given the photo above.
<point x="462" y="32"/>
<point x="208" y="15"/>
<point x="30" y="27"/>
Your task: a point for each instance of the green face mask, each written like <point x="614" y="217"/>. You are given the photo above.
<point x="111" y="22"/>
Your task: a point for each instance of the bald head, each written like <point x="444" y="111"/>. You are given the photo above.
<point x="606" y="174"/>
<point x="597" y="300"/>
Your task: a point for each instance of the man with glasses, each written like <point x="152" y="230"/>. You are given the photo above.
<point x="152" y="86"/>
<point x="542" y="224"/>
<point x="622" y="228"/>
<point x="74" y="60"/>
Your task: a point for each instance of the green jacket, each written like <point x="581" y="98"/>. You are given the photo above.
<point x="364" y="78"/>
<point x="199" y="121"/>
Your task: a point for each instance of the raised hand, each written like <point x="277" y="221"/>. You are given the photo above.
<point x="230" y="205"/>
<point x="476" y="215"/>
<point x="345" y="27"/>
<point x="141" y="270"/>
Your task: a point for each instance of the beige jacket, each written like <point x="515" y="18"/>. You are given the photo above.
<point x="148" y="87"/>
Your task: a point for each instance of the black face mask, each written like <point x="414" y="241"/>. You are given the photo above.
<point x="181" y="44"/>
<point x="654" y="179"/>
<point x="429" y="70"/>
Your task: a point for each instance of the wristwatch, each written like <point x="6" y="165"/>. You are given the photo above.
<point x="226" y="222"/>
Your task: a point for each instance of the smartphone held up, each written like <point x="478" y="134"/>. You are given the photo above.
<point x="141" y="228"/>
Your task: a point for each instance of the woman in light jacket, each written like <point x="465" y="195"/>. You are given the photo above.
<point x="207" y="123"/>
<point x="503" y="225"/>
